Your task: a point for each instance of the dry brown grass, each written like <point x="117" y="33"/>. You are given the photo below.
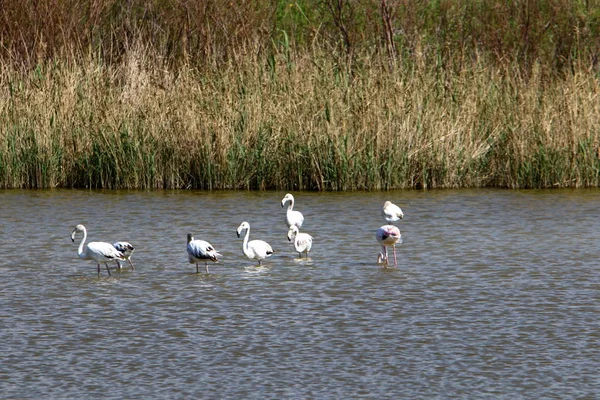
<point x="302" y="122"/>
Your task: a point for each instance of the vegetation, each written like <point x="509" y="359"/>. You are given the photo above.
<point x="323" y="95"/>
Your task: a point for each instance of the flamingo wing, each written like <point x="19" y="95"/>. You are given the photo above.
<point x="260" y="249"/>
<point x="303" y="242"/>
<point x="102" y="251"/>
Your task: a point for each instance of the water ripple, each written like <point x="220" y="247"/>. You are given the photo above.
<point x="496" y="296"/>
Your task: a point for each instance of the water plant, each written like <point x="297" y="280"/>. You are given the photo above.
<point x="324" y="95"/>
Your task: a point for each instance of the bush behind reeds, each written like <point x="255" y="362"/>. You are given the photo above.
<point x="551" y="33"/>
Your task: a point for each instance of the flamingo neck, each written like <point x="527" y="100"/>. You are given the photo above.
<point x="291" y="206"/>
<point x="245" y="244"/>
<point x="80" y="251"/>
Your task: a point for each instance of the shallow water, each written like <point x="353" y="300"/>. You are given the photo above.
<point x="497" y="295"/>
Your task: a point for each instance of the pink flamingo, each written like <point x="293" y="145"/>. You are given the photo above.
<point x="388" y="235"/>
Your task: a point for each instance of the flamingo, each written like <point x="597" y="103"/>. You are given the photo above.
<point x="200" y="250"/>
<point x="101" y="252"/>
<point x="126" y="249"/>
<point x="302" y="241"/>
<point x="292" y="217"/>
<point x="255" y="249"/>
<point x="388" y="235"/>
<point x="391" y="212"/>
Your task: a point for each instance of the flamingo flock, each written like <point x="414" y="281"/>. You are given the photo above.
<point x="258" y="250"/>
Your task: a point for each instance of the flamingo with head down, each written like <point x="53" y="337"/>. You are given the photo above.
<point x="302" y="241"/>
<point x="126" y="249"/>
<point x="388" y="235"/>
<point x="200" y="250"/>
<point x="391" y="212"/>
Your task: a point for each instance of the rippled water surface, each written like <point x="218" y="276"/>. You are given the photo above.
<point x="496" y="295"/>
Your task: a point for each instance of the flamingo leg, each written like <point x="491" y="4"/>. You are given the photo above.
<point x="98" y="269"/>
<point x="395" y="262"/>
<point x="206" y="266"/>
<point x="130" y="263"/>
<point x="197" y="271"/>
<point x="107" y="268"/>
<point x="385" y="255"/>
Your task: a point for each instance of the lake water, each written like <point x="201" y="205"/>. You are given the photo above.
<point x="497" y="295"/>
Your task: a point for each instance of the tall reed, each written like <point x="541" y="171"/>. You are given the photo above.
<point x="306" y="108"/>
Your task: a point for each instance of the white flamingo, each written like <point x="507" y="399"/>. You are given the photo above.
<point x="126" y="249"/>
<point x="388" y="235"/>
<point x="292" y="217"/>
<point x="255" y="249"/>
<point x="200" y="250"/>
<point x="101" y="252"/>
<point x="391" y="212"/>
<point x="302" y="241"/>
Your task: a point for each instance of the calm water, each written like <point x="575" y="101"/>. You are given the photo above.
<point x="497" y="295"/>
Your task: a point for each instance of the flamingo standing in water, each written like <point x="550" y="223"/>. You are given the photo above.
<point x="126" y="249"/>
<point x="101" y="252"/>
<point x="255" y="249"/>
<point x="200" y="250"/>
<point x="302" y="241"/>
<point x="292" y="217"/>
<point x="388" y="235"/>
<point x="391" y="212"/>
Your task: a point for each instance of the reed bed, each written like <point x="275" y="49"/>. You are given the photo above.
<point x="303" y="117"/>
